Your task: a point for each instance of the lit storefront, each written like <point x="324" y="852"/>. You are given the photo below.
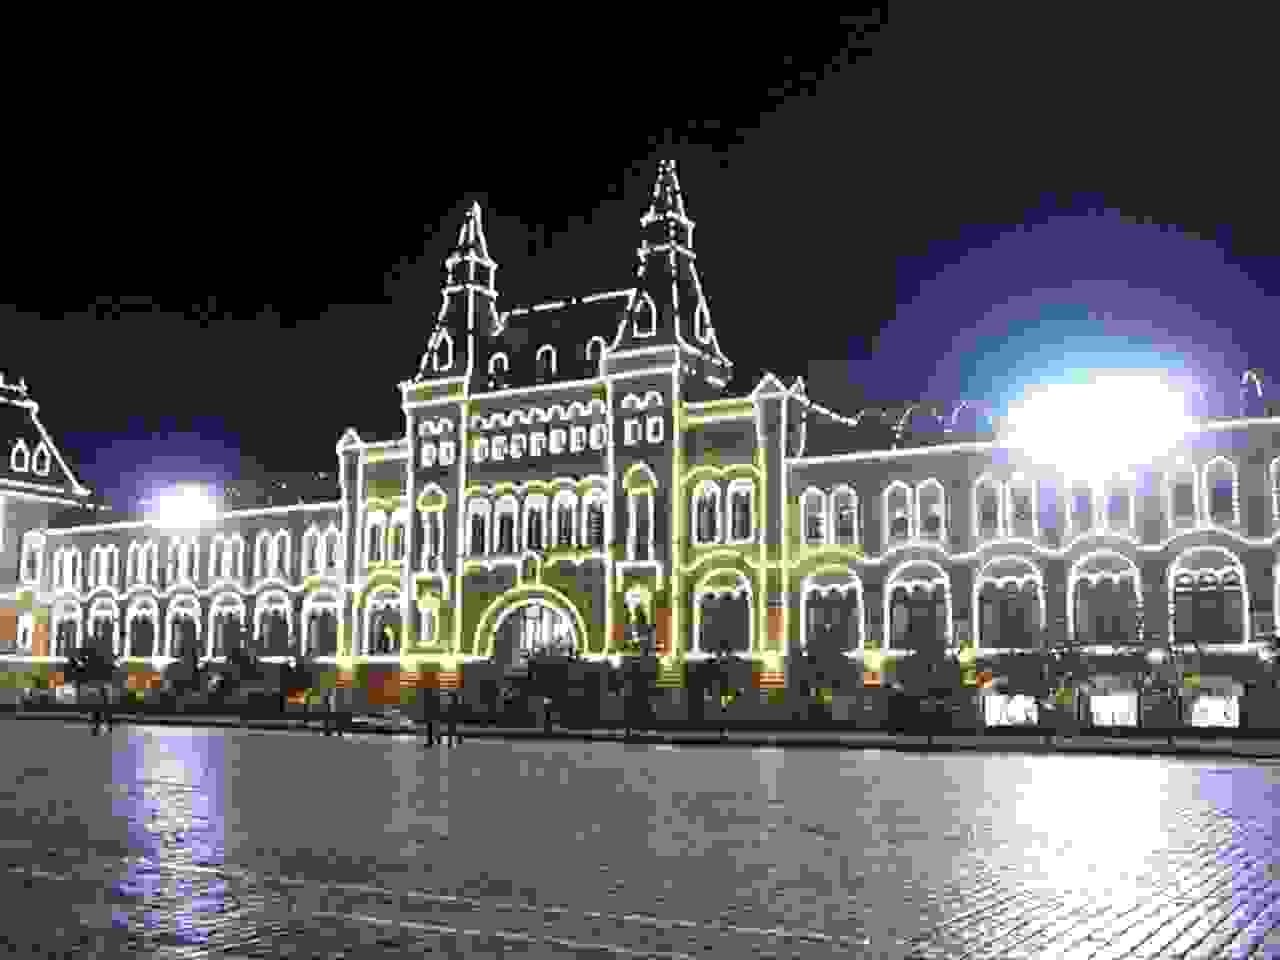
<point x="1008" y="710"/>
<point x="1216" y="703"/>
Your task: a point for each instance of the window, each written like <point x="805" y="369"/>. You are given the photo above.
<point x="653" y="429"/>
<point x="595" y="350"/>
<point x="1081" y="509"/>
<point x="375" y="542"/>
<point x="448" y="449"/>
<point x="498" y="365"/>
<point x="595" y="524"/>
<point x="844" y="512"/>
<point x="1022" y="508"/>
<point x="40" y="459"/>
<point x="897" y="503"/>
<point x="395" y="543"/>
<point x="1118" y="506"/>
<point x="707" y="513"/>
<point x="263" y="552"/>
<point x="1182" y="496"/>
<point x="480" y="450"/>
<point x="599" y="436"/>
<point x="499" y="448"/>
<point x="741" y="520"/>
<point x="310" y="543"/>
<point x="566" y="507"/>
<point x="507" y="510"/>
<point x="929" y="500"/>
<point x="813" y="517"/>
<point x="643" y="317"/>
<point x="557" y="440"/>
<point x="537" y="444"/>
<point x="988" y="508"/>
<point x="19" y="456"/>
<point x="331" y="540"/>
<point x="428" y="454"/>
<point x="478" y="528"/>
<point x="518" y="446"/>
<point x="282" y="554"/>
<point x="431" y="545"/>
<point x="1220" y="478"/>
<point x="631" y="431"/>
<point x="641" y="511"/>
<point x="442" y="353"/>
<point x="546" y="362"/>
<point x="31" y="547"/>
<point x="535" y="509"/>
<point x="578" y="439"/>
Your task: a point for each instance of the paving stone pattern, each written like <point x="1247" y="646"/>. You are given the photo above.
<point x="190" y="844"/>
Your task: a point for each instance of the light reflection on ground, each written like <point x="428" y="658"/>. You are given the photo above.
<point x="875" y="846"/>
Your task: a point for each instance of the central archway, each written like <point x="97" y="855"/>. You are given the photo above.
<point x="531" y="618"/>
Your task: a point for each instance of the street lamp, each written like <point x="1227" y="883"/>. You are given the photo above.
<point x="183" y="508"/>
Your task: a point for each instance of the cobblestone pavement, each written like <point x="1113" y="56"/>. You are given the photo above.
<point x="193" y="843"/>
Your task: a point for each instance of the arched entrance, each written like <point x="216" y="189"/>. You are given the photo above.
<point x="383" y="623"/>
<point x="1106" y="600"/>
<point x="918" y="608"/>
<point x="227" y="624"/>
<point x="273" y="622"/>
<point x="1207" y="599"/>
<point x="322" y="633"/>
<point x="833" y="620"/>
<point x="142" y="635"/>
<point x="1009" y="595"/>
<point x="530" y="628"/>
<point x="722" y="613"/>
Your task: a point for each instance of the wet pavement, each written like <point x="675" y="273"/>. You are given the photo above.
<point x="187" y="842"/>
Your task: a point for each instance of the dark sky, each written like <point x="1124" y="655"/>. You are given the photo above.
<point x="220" y="258"/>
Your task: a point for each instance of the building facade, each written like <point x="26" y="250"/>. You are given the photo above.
<point x="574" y="474"/>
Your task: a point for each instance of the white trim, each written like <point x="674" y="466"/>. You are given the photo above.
<point x="539" y="369"/>
<point x="1017" y="482"/>
<point x="19" y="464"/>
<point x="507" y="505"/>
<point x="594" y="496"/>
<point x="1234" y="566"/>
<point x="1183" y="469"/>
<point x="478" y="507"/>
<point x="535" y="503"/>
<point x="561" y="499"/>
<point x="266" y="603"/>
<point x="822" y="512"/>
<point x="1074" y="576"/>
<point x="701" y="592"/>
<point x="989" y="483"/>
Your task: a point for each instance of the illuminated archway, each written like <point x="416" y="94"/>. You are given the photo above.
<point x="1100" y="608"/>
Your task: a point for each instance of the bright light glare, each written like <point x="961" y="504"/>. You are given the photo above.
<point x="1093" y="430"/>
<point x="183" y="509"/>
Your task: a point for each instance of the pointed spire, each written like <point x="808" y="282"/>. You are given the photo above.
<point x="666" y="225"/>
<point x="472" y="250"/>
<point x="467" y="302"/>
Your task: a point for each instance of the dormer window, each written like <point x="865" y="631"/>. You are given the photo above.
<point x="40" y="460"/>
<point x="546" y="362"/>
<point x="644" y="318"/>
<point x="20" y="457"/>
<point x="442" y="354"/>
<point x="498" y="364"/>
<point x="595" y="350"/>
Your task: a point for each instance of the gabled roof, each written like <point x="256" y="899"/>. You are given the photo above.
<point x="567" y="325"/>
<point x="21" y="429"/>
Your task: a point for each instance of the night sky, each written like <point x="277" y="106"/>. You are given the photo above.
<point x="215" y="261"/>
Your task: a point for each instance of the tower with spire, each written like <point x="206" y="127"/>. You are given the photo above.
<point x="668" y="307"/>
<point x="468" y="305"/>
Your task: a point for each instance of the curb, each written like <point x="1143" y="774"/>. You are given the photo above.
<point x="905" y="743"/>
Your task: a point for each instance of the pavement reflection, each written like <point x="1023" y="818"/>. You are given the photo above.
<point x="209" y="841"/>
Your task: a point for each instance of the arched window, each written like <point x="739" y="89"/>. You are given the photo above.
<point x="282" y="554"/>
<point x="741" y="511"/>
<point x="1121" y="505"/>
<point x="706" y="512"/>
<point x="844" y="516"/>
<point x="374" y="532"/>
<point x="262" y="555"/>
<point x="41" y="459"/>
<point x="1022" y="507"/>
<point x="32" y="552"/>
<point x="396" y="537"/>
<point x="1081" y="507"/>
<point x="930" y="501"/>
<point x="813" y="517"/>
<point x="478" y="511"/>
<point x="1222" y="506"/>
<point x="1180" y="496"/>
<point x="595" y="350"/>
<point x="986" y="511"/>
<point x="507" y="511"/>
<point x="644" y="314"/>
<point x="546" y="362"/>
<point x="497" y="364"/>
<point x="593" y="521"/>
<point x="432" y="539"/>
<point x="566" y="511"/>
<point x="19" y="456"/>
<point x="535" y="522"/>
<point x="442" y="353"/>
<point x="332" y="543"/>
<point x="897" y="512"/>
